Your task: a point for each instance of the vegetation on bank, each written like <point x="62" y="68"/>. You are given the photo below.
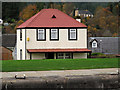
<point x="58" y="64"/>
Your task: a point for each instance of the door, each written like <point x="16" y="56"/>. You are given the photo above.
<point x="49" y="55"/>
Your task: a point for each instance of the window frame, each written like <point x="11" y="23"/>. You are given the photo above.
<point x="20" y="34"/>
<point x="21" y="54"/>
<point x="70" y="34"/>
<point x="64" y="55"/>
<point x="94" y="44"/>
<point x="44" y="35"/>
<point x="57" y="35"/>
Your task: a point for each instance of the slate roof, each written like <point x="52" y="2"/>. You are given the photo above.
<point x="9" y="40"/>
<point x="108" y="45"/>
<point x="85" y="12"/>
<point x="44" y="19"/>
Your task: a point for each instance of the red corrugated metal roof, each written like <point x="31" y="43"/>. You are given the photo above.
<point x="58" y="50"/>
<point x="44" y="19"/>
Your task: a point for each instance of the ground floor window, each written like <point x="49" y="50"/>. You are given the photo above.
<point x="20" y="54"/>
<point x="64" y="55"/>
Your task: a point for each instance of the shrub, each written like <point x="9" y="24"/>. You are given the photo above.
<point x="101" y="55"/>
<point x="96" y="54"/>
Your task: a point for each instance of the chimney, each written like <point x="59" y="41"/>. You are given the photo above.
<point x="76" y="12"/>
<point x="79" y="20"/>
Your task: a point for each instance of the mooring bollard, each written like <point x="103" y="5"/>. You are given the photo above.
<point x="18" y="77"/>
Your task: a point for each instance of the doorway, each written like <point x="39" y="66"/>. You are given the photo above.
<point x="49" y="55"/>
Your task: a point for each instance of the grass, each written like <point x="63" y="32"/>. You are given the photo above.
<point x="49" y="64"/>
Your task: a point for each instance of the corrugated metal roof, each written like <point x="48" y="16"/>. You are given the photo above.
<point x="44" y="19"/>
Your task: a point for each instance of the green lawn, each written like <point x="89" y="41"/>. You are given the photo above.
<point x="68" y="64"/>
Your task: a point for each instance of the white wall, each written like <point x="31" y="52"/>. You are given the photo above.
<point x="38" y="55"/>
<point x="79" y="55"/>
<point x="20" y="44"/>
<point x="63" y="41"/>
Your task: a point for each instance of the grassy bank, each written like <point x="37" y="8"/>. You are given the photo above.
<point x="68" y="64"/>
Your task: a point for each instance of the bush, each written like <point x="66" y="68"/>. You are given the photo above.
<point x="101" y="55"/>
<point x="96" y="54"/>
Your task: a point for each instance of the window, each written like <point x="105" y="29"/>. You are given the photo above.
<point x="72" y="34"/>
<point x="20" y="34"/>
<point x="64" y="55"/>
<point x="94" y="44"/>
<point x="54" y="34"/>
<point x="60" y="56"/>
<point x="20" y="54"/>
<point x="41" y="34"/>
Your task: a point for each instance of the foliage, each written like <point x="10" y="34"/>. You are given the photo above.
<point x="58" y="64"/>
<point x="18" y="23"/>
<point x="12" y="9"/>
<point x="104" y="20"/>
<point x="101" y="55"/>
<point x="28" y="12"/>
<point x="8" y="29"/>
<point x="68" y="8"/>
<point x="95" y="54"/>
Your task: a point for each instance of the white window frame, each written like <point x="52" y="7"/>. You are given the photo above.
<point x="64" y="56"/>
<point x="20" y="34"/>
<point x="72" y="31"/>
<point x="94" y="44"/>
<point x="39" y="32"/>
<point x="20" y="54"/>
<point x="56" y="32"/>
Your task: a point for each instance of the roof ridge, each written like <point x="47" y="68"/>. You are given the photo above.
<point x="39" y="13"/>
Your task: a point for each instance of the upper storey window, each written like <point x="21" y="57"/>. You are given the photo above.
<point x="54" y="34"/>
<point x="41" y="35"/>
<point x="20" y="34"/>
<point x="72" y="34"/>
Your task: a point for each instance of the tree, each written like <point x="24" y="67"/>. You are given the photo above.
<point x="12" y="9"/>
<point x="68" y="8"/>
<point x="28" y="12"/>
<point x="104" y="20"/>
<point x="18" y="23"/>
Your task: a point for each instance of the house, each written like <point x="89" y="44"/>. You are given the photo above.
<point x="5" y="53"/>
<point x="84" y="13"/>
<point x="106" y="45"/>
<point x="9" y="42"/>
<point x="51" y="34"/>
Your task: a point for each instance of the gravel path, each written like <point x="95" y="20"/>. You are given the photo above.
<point x="61" y="73"/>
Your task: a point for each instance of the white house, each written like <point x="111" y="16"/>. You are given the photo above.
<point x="84" y="13"/>
<point x="51" y="34"/>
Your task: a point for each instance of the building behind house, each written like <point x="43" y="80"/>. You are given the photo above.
<point x="9" y="42"/>
<point x="84" y="13"/>
<point x="6" y="53"/>
<point x="106" y="45"/>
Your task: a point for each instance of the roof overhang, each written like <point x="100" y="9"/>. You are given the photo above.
<point x="58" y="50"/>
<point x="51" y="27"/>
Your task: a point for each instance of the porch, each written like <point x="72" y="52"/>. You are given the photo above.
<point x="58" y="53"/>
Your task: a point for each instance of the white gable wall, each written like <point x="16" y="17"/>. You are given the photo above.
<point x="21" y="44"/>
